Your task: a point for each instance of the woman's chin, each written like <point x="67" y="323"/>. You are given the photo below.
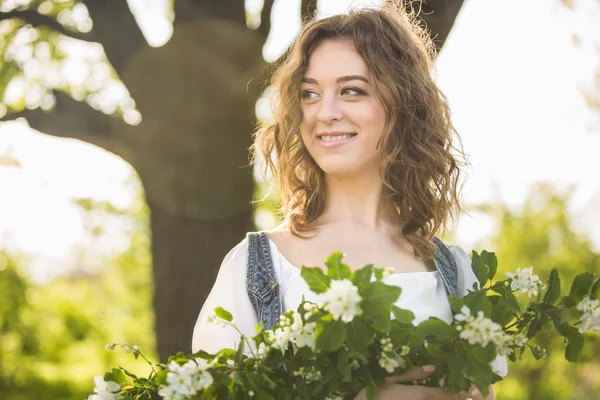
<point x="340" y="171"/>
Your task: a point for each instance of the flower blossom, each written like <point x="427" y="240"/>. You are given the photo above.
<point x="342" y="300"/>
<point x="590" y="318"/>
<point x="524" y="281"/>
<point x="480" y="330"/>
<point x="105" y="390"/>
<point x="186" y="380"/>
<point x="297" y="332"/>
<point x="391" y="363"/>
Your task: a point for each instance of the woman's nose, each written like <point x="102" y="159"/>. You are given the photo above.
<point x="329" y="110"/>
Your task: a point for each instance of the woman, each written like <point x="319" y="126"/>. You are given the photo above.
<point x="361" y="146"/>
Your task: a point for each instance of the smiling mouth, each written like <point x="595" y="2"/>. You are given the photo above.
<point x="335" y="138"/>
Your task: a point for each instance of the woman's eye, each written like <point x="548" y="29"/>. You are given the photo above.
<point x="307" y="94"/>
<point x="352" y="91"/>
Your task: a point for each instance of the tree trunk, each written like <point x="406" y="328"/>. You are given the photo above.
<point x="187" y="254"/>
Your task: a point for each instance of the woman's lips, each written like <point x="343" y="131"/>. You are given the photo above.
<point x="331" y="141"/>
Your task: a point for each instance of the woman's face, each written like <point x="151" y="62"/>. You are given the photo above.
<point x="342" y="117"/>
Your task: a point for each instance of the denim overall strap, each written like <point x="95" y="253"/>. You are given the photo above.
<point x="446" y="265"/>
<point x="261" y="280"/>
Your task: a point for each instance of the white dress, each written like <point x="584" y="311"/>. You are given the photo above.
<point x="422" y="292"/>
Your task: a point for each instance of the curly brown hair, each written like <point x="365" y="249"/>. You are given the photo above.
<point x="418" y="167"/>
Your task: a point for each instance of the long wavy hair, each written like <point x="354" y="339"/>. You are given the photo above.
<point x="418" y="167"/>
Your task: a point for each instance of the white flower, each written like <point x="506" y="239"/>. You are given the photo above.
<point x="180" y="384"/>
<point x="590" y="317"/>
<point x="524" y="281"/>
<point x="202" y="380"/>
<point x="166" y="392"/>
<point x="280" y="338"/>
<point x="480" y="330"/>
<point x="464" y="314"/>
<point x="262" y="351"/>
<point x="105" y="390"/>
<point x="519" y="340"/>
<point x="342" y="300"/>
<point x="186" y="380"/>
<point x="301" y="334"/>
<point x="306" y="336"/>
<point x="390" y="364"/>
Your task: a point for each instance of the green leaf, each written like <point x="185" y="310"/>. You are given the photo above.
<point x="492" y="263"/>
<point x="343" y="366"/>
<point x="381" y="322"/>
<point x="378" y="272"/>
<point x="335" y="268"/>
<point x="118" y="376"/>
<point x="362" y="276"/>
<point x="330" y="335"/>
<point x="371" y="390"/>
<point x="479" y="268"/>
<point x="359" y="336"/>
<point x="456" y="303"/>
<point x="485" y="354"/>
<point x="595" y="291"/>
<point x="259" y="327"/>
<point x="575" y="343"/>
<point x="240" y="353"/>
<point x="379" y="294"/>
<point x="435" y="327"/>
<point x="581" y="285"/>
<point x="477" y="301"/>
<point x="403" y="316"/>
<point x="538" y="322"/>
<point x="501" y="312"/>
<point x="509" y="296"/>
<point x="223" y="314"/>
<point x="553" y="292"/>
<point x="402" y="330"/>
<point x="316" y="279"/>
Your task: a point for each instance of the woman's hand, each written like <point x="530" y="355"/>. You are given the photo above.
<point x="393" y="389"/>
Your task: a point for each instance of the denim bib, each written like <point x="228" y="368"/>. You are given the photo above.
<point x="263" y="288"/>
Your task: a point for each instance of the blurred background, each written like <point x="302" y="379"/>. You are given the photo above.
<point x="124" y="178"/>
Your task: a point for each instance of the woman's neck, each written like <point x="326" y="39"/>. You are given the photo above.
<point x="360" y="202"/>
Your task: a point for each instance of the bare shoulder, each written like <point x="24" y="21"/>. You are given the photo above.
<point x="283" y="238"/>
<point x="297" y="250"/>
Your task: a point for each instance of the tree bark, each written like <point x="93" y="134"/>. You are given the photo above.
<point x="187" y="253"/>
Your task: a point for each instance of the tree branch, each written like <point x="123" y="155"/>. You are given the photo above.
<point x="37" y="20"/>
<point x="116" y="29"/>
<point x="439" y="17"/>
<point x="308" y="8"/>
<point x="230" y="10"/>
<point x="265" y="18"/>
<point x="72" y="119"/>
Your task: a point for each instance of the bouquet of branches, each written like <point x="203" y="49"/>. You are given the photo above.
<point x="358" y="338"/>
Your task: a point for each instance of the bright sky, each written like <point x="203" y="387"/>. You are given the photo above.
<point x="515" y="82"/>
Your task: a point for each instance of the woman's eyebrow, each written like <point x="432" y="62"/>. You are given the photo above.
<point x="338" y="80"/>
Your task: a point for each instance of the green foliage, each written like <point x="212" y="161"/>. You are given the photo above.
<point x="52" y="336"/>
<point x="541" y="234"/>
<point x="358" y="344"/>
